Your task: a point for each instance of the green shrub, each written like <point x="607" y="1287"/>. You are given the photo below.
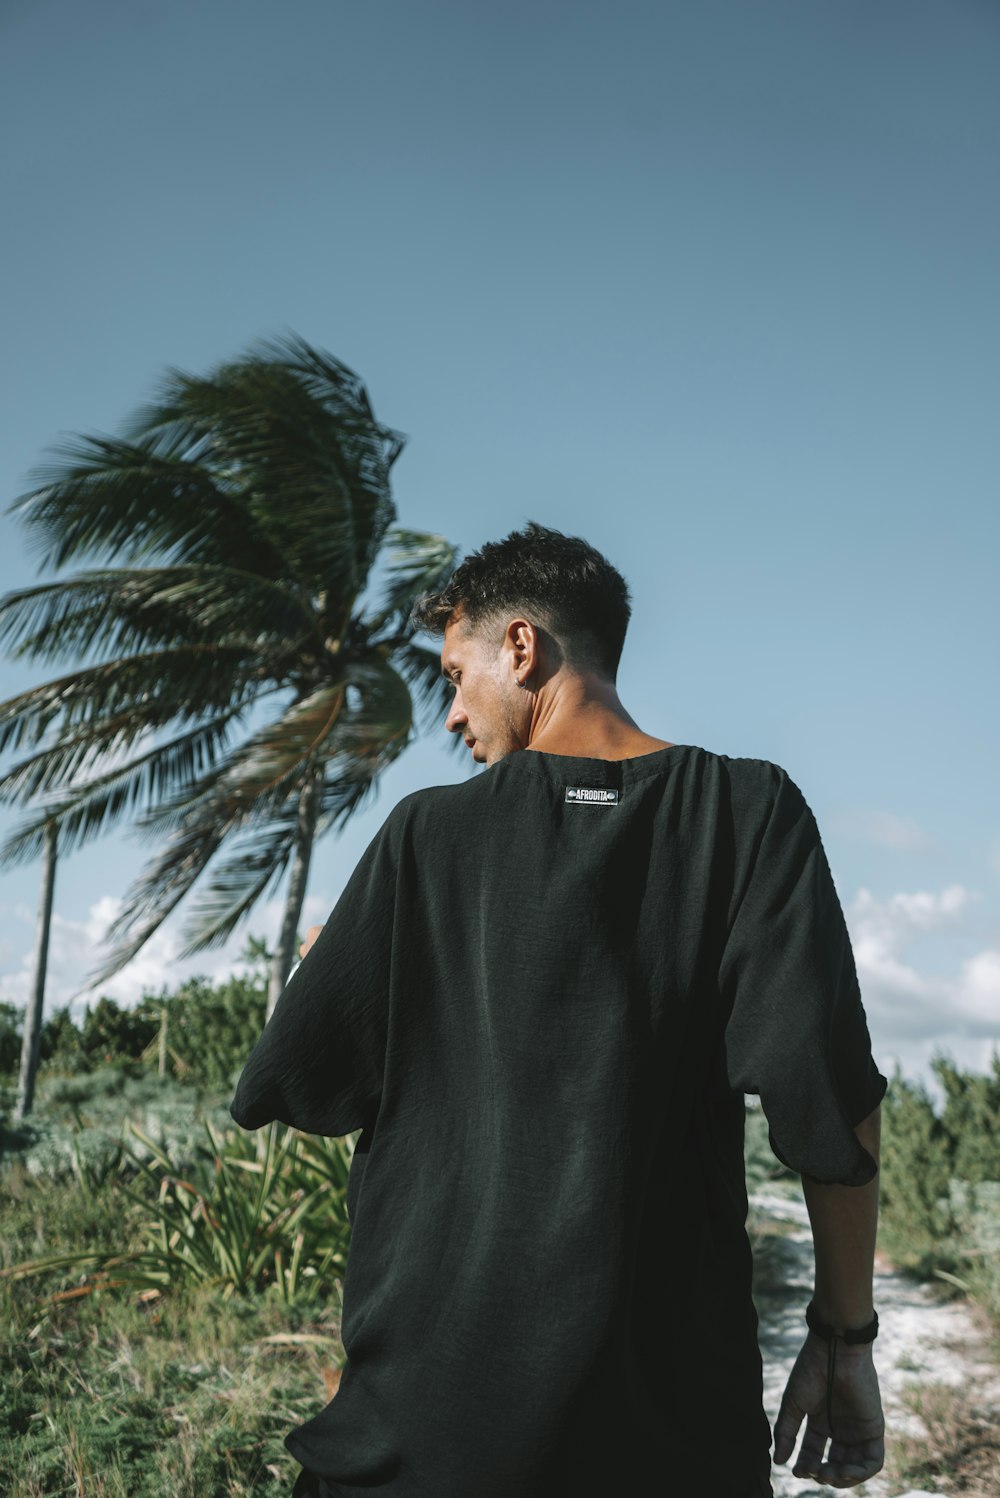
<point x="917" y="1222"/>
<point x="89" y="1114"/>
<point x="255" y="1212"/>
<point x="928" y="1157"/>
<point x="210" y="1028"/>
<point x="971" y="1119"/>
<point x="11" y="1023"/>
<point x="59" y="1044"/>
<point x="202" y="1031"/>
<point x="110" y="1033"/>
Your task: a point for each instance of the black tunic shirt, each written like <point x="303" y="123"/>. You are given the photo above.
<point x="542" y="996"/>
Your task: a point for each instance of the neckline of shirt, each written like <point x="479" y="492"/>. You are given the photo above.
<point x="573" y="769"/>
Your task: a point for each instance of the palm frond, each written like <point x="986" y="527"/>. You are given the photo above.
<point x="255" y="865"/>
<point x="260" y="787"/>
<point x="420" y="562"/>
<point x="258" y="782"/>
<point x="370" y="734"/>
<point x="154" y="895"/>
<point x="354" y="783"/>
<point x="116" y="609"/>
<point x="249" y="507"/>
<point x="102" y="496"/>
<point x="367" y="736"/>
<point x="155" y="688"/>
<point x="293" y="432"/>
<point x="261" y="772"/>
<point x="330" y="381"/>
<point x="105" y="797"/>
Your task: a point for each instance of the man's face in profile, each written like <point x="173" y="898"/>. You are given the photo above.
<point x="489" y="711"/>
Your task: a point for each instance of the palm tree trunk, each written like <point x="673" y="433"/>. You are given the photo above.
<point x="33" y="1012"/>
<point x="284" y="955"/>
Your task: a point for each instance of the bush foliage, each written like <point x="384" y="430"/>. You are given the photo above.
<point x="929" y="1159"/>
<point x="204" y="1031"/>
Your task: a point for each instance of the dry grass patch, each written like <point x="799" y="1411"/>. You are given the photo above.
<point x="961" y="1450"/>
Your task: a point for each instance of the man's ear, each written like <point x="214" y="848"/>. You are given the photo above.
<point x="521" y="639"/>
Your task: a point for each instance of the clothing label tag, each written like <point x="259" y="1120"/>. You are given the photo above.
<point x="592" y="795"/>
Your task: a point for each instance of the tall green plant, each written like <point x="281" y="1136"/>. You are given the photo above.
<point x="204" y="1027"/>
<point x="936" y="1163"/>
<point x="917" y="1221"/>
<point x="258" y="1212"/>
<point x="236" y="525"/>
<point x="971" y="1119"/>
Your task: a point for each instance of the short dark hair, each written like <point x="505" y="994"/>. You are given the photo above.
<point x="572" y="588"/>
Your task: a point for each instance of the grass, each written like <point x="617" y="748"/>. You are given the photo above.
<point x="182" y="1395"/>
<point x="184" y="1382"/>
<point x="960" y="1452"/>
<point x="145" y="1394"/>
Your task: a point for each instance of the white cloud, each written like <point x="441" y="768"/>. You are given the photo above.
<point x="912" y="1012"/>
<point x="979" y="987"/>
<point x="75" y="949"/>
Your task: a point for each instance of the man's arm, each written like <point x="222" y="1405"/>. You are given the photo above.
<point x="319" y="1063"/>
<point x="844" y="1222"/>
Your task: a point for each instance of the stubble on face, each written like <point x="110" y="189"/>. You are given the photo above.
<point x="493" y="704"/>
<point x="499" y="732"/>
<point x="510" y="734"/>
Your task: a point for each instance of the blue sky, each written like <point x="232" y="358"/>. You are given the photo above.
<point x="711" y="284"/>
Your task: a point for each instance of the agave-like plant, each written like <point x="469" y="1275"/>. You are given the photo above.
<point x="245" y="512"/>
<point x="255" y="1212"/>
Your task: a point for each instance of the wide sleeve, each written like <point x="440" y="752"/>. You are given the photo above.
<point x="796" y="1032"/>
<point x="319" y="1062"/>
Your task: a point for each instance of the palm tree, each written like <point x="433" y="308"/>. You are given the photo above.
<point x="31" y="1036"/>
<point x="247" y="510"/>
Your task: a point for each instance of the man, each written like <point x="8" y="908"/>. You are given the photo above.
<point x="541" y="998"/>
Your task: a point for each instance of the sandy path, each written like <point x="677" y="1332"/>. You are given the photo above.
<point x="920" y="1341"/>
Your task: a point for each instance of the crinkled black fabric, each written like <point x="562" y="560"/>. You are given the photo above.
<point x="543" y="1012"/>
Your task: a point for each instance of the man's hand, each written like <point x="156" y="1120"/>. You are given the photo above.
<point x="858" y="1450"/>
<point x="311" y="936"/>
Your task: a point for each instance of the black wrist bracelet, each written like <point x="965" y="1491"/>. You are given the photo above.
<point x="830" y="1336"/>
<point x="850" y="1334"/>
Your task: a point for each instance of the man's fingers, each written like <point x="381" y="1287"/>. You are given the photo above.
<point x="810" y="1457"/>
<point x="845" y="1474"/>
<point x="857" y="1453"/>
<point x="786" y="1429"/>
<point x="850" y="1463"/>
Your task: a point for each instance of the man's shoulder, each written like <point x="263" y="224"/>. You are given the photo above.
<point x="431" y="801"/>
<point x="751" y="775"/>
<point x="760" y="789"/>
<point x="753" y="783"/>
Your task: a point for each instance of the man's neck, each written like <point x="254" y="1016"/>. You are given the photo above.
<point x="583" y="716"/>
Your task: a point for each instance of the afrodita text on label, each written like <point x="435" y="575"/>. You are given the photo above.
<point x="592" y="795"/>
